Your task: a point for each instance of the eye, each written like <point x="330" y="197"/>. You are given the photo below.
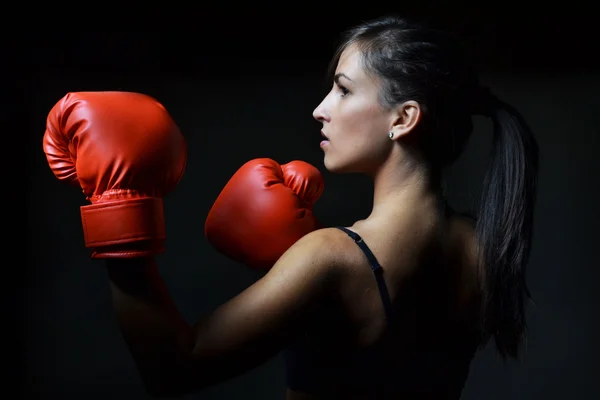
<point x="343" y="90"/>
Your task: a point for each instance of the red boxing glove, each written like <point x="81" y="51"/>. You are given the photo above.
<point x="263" y="210"/>
<point x="126" y="153"/>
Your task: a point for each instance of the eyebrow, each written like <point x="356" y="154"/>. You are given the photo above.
<point x="337" y="77"/>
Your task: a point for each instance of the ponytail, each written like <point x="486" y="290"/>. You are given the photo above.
<point x="504" y="228"/>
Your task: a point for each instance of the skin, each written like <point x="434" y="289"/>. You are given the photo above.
<point x="419" y="245"/>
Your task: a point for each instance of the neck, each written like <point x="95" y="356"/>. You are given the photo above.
<point x="407" y="185"/>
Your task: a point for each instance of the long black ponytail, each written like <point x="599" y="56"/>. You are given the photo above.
<point x="504" y="228"/>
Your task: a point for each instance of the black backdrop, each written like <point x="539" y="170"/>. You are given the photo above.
<point x="243" y="85"/>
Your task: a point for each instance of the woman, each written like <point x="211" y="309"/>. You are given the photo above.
<point x="399" y="111"/>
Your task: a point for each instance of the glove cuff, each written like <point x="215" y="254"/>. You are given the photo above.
<point x="124" y="228"/>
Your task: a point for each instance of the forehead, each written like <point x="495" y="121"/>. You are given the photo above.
<point x="350" y="62"/>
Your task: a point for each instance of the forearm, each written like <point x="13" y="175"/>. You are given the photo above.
<point x="158" y="337"/>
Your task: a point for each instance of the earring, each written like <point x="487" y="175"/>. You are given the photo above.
<point x="391" y="134"/>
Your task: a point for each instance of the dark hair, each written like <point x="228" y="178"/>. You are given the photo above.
<point x="430" y="66"/>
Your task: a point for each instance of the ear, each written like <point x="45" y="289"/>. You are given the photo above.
<point x="406" y="118"/>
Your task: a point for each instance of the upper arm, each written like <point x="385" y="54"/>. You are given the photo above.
<point x="256" y="324"/>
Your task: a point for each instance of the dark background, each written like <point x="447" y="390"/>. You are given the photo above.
<point x="243" y="84"/>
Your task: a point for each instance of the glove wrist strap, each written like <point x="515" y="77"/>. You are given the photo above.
<point x="124" y="228"/>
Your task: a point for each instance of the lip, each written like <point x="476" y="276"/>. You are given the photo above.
<point x="325" y="141"/>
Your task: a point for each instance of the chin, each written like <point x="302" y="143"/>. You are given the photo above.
<point x="336" y="167"/>
<point x="348" y="166"/>
<point x="329" y="165"/>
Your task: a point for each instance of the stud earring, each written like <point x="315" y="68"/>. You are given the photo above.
<point x="391" y="134"/>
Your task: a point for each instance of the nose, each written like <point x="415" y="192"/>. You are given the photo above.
<point x="320" y="113"/>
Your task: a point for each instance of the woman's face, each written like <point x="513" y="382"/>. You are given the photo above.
<point x="355" y="125"/>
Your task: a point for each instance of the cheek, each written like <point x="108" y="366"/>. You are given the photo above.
<point x="361" y="119"/>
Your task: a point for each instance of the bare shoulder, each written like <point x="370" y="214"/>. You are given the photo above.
<point x="322" y="252"/>
<point x="463" y="228"/>
<point x="257" y="323"/>
<point x="464" y="244"/>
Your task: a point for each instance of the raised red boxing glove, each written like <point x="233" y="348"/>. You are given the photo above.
<point x="263" y="210"/>
<point x="125" y="152"/>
